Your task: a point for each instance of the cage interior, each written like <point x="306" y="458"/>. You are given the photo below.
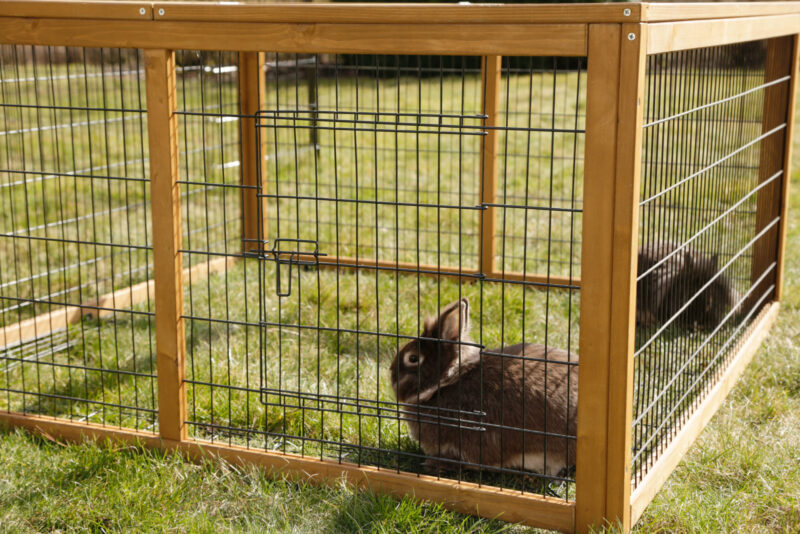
<point x="700" y="283"/>
<point x="375" y="212"/>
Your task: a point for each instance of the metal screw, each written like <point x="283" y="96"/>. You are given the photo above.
<point x="631" y="36"/>
<point x="626" y="12"/>
<point x="142" y="11"/>
<point x="161" y="12"/>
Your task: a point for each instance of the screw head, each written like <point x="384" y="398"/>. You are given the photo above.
<point x="631" y="36"/>
<point x="626" y="12"/>
<point x="161" y="12"/>
<point x="142" y="11"/>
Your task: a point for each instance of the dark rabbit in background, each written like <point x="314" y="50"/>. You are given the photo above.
<point x="665" y="290"/>
<point x="440" y="382"/>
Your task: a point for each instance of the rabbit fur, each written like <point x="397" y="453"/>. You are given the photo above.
<point x="449" y="390"/>
<point x="664" y="291"/>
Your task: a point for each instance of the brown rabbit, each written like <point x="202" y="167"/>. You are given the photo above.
<point x="675" y="281"/>
<point x="466" y="406"/>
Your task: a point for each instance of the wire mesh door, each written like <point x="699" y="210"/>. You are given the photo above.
<point x="408" y="198"/>
<point x="371" y="191"/>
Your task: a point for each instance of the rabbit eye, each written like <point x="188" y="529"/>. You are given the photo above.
<point x="411" y="358"/>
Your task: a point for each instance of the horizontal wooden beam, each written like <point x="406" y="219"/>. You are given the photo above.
<point x="669" y="458"/>
<point x="102" y="307"/>
<point x="417" y="14"/>
<point x="77" y="10"/>
<point x="674" y="36"/>
<point x="485" y="501"/>
<point x="384" y="13"/>
<point x="446" y="39"/>
<point x="667" y="11"/>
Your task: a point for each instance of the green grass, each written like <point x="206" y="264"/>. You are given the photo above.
<point x="741" y="476"/>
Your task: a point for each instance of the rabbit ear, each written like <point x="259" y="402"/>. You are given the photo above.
<point x="454" y="320"/>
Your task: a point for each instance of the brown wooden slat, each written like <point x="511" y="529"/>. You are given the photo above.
<point x="672" y="36"/>
<point x="417" y="14"/>
<point x="162" y="127"/>
<point x="490" y="95"/>
<point x="602" y="101"/>
<point x="462" y="39"/>
<point x="251" y="98"/>
<point x="77" y="10"/>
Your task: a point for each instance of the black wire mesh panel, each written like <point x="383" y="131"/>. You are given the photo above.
<point x="75" y="230"/>
<point x="696" y="288"/>
<point x="375" y="162"/>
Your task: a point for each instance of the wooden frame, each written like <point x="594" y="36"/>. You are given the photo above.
<point x="446" y="39"/>
<point x="616" y="38"/>
<point x="165" y="199"/>
<point x="673" y="36"/>
<point x="491" y="71"/>
<point x="778" y="110"/>
<point x="611" y="180"/>
<point x="253" y="163"/>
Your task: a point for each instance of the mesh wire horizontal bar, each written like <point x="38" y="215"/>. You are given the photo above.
<point x="391" y="218"/>
<point x="702" y="226"/>
<point x="75" y="232"/>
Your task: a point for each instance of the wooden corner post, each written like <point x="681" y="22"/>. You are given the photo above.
<point x="776" y="156"/>
<point x="162" y="127"/>
<point x="253" y="167"/>
<point x="615" y="90"/>
<point x="491" y="68"/>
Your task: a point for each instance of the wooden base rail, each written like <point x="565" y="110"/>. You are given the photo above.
<point x="508" y="505"/>
<point x="102" y="307"/>
<point x="670" y="457"/>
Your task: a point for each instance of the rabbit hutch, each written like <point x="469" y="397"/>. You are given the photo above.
<point x="507" y="258"/>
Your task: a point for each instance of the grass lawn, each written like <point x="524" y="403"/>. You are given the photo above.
<point x="741" y="476"/>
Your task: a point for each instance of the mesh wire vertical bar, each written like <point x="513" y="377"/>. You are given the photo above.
<point x="712" y="129"/>
<point x="373" y="224"/>
<point x="75" y="308"/>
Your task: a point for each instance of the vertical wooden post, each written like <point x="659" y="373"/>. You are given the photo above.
<point x="251" y="100"/>
<point x="615" y="90"/>
<point x="776" y="156"/>
<point x="162" y="127"/>
<point x="490" y="76"/>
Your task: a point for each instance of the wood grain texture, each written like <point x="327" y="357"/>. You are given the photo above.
<point x="162" y="127"/>
<point x="253" y="168"/>
<point x="77" y="10"/>
<point x="602" y="101"/>
<point x="447" y="39"/>
<point x="667" y="11"/>
<point x="787" y="167"/>
<point x="491" y="71"/>
<point x="672" y="36"/>
<point x="486" y="501"/>
<point x="670" y="457"/>
<point x="624" y="268"/>
<point x="769" y="199"/>
<point x="418" y="14"/>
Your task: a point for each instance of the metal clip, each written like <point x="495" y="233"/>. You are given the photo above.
<point x="295" y="257"/>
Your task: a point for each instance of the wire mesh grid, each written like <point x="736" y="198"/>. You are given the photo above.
<point x="75" y="236"/>
<point x="697" y="287"/>
<point x="372" y="195"/>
